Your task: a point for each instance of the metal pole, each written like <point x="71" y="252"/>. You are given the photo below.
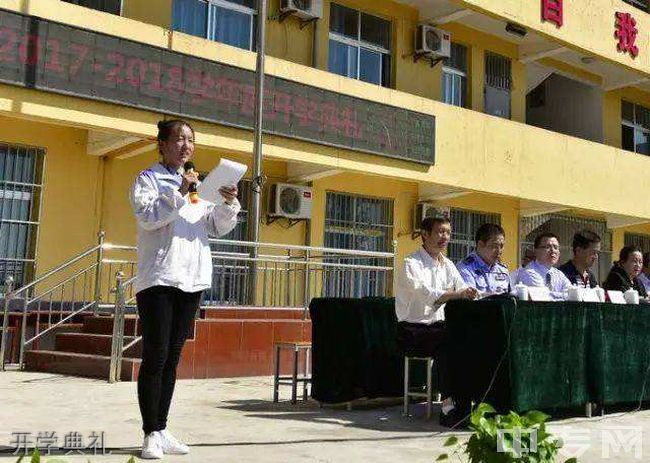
<point x="8" y="293"/>
<point x="257" y="180"/>
<point x="117" y="340"/>
<point x="23" y="334"/>
<point x="306" y="298"/>
<point x="98" y="274"/>
<point x="395" y="269"/>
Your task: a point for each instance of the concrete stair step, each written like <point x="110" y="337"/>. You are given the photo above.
<point x="104" y="325"/>
<point x="92" y="343"/>
<point x="77" y="364"/>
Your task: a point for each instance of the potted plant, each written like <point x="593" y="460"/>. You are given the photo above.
<point x="505" y="439"/>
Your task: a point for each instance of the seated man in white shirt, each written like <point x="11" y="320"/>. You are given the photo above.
<point x="426" y="281"/>
<point x="542" y="272"/>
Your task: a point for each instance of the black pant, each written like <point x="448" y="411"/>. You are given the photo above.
<point x="166" y="315"/>
<point x="420" y="340"/>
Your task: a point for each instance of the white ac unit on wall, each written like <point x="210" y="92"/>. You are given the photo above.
<point x="432" y="42"/>
<point x="290" y="201"/>
<point x="304" y="9"/>
<point x="424" y="210"/>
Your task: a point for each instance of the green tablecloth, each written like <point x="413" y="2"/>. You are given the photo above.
<point x="551" y="354"/>
<point x="544" y="364"/>
<point x="560" y="354"/>
<point x="354" y="349"/>
<point x="621" y="354"/>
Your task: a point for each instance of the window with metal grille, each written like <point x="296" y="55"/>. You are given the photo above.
<point x="640" y="4"/>
<point x="498" y="83"/>
<point x="635" y="128"/>
<point x="361" y="223"/>
<point x="638" y="239"/>
<point x="227" y="21"/>
<point x="108" y="6"/>
<point x="464" y="225"/>
<point x="454" y="76"/>
<point x="359" y="45"/>
<point x="230" y="277"/>
<point x="21" y="184"/>
<point x="565" y="226"/>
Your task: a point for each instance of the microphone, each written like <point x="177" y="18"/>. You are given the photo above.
<point x="194" y="195"/>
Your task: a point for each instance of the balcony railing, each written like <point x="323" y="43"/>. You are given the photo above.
<point x="100" y="279"/>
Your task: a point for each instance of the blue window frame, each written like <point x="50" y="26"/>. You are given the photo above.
<point x="226" y="21"/>
<point x="359" y="45"/>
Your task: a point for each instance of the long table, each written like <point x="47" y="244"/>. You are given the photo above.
<point x="549" y="354"/>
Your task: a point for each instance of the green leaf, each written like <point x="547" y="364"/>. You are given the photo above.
<point x="515" y="419"/>
<point x="36" y="456"/>
<point x="131" y="460"/>
<point x="572" y="460"/>
<point x="484" y="408"/>
<point x="451" y="440"/>
<point x="490" y="427"/>
<point x="479" y="411"/>
<point x="536" y="417"/>
<point x="20" y="459"/>
<point x="442" y="457"/>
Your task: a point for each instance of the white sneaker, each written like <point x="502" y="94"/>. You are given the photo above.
<point x="152" y="447"/>
<point x="171" y="445"/>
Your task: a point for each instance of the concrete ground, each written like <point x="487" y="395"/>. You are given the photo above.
<point x="234" y="420"/>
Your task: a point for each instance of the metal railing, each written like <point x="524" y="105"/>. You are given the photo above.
<point x="117" y="340"/>
<point x="292" y="275"/>
<point x="287" y="275"/>
<point x="100" y="280"/>
<point x="71" y="290"/>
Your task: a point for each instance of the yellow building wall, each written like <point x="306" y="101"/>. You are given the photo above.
<point x="486" y="154"/>
<point x="292" y="41"/>
<point x="286" y="39"/>
<point x="69" y="219"/>
<point x="157" y="12"/>
<point x="408" y="76"/>
<point x="588" y="26"/>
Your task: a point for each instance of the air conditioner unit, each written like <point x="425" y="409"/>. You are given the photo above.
<point x="432" y="42"/>
<point x="290" y="201"/>
<point x="304" y="9"/>
<point x="424" y="210"/>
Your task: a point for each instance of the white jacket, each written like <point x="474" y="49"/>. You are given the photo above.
<point x="173" y="248"/>
<point x="420" y="283"/>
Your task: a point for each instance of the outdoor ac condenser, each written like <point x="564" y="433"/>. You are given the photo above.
<point x="304" y="9"/>
<point x="433" y="42"/>
<point x="290" y="201"/>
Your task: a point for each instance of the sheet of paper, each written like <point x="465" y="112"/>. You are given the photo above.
<point x="616" y="297"/>
<point x="590" y="295"/>
<point x="539" y="293"/>
<point x="225" y="174"/>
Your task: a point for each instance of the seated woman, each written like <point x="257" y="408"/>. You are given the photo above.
<point x="624" y="274"/>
